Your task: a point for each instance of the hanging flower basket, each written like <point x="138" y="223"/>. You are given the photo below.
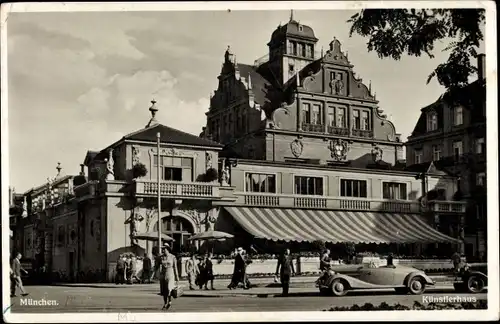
<point x="139" y="170"/>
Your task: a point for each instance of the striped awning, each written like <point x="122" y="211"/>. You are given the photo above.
<point x="301" y="225"/>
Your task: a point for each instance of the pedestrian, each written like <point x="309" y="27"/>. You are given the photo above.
<point x="17" y="282"/>
<point x="239" y="269"/>
<point x="285" y="269"/>
<point x="121" y="267"/>
<point x="200" y="279"/>
<point x="128" y="262"/>
<point x="169" y="275"/>
<point x="146" y="268"/>
<point x="208" y="272"/>
<point x="133" y="270"/>
<point x="390" y="260"/>
<point x="456" y="260"/>
<point x="192" y="271"/>
<point x="325" y="260"/>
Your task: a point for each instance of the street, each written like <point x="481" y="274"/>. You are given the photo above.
<point x="140" y="298"/>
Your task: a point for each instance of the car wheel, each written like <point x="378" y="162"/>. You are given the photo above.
<point x="416" y="285"/>
<point x="475" y="284"/>
<point x="339" y="287"/>
<point x="401" y="290"/>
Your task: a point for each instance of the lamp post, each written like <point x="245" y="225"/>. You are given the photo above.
<point x="159" y="193"/>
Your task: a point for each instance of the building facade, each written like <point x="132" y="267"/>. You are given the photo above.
<point x="452" y="136"/>
<point x="295" y="149"/>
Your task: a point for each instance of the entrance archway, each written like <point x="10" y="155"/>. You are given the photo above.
<point x="180" y="229"/>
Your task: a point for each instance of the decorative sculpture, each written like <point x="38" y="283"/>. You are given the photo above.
<point x="377" y="153"/>
<point x="208" y="160"/>
<point x="337" y="85"/>
<point x="110" y="166"/>
<point x="134" y="221"/>
<point x="135" y="155"/>
<point x="339" y="149"/>
<point x="225" y="176"/>
<point x="296" y="147"/>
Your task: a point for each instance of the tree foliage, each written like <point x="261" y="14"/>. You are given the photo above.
<point x="396" y="32"/>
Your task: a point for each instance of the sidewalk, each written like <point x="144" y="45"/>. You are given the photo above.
<point x="221" y="284"/>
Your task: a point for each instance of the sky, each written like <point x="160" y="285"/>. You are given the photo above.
<point x="79" y="81"/>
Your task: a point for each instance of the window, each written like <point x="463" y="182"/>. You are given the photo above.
<point x="303" y="50"/>
<point x="175" y="168"/>
<point x="353" y="188"/>
<point x="418" y="156"/>
<point x="458" y="118"/>
<point x="306" y="113"/>
<point x="309" y="186"/>
<point x="301" y="28"/>
<point x="436" y="152"/>
<point x="331" y="116"/>
<point x="309" y="50"/>
<point x="316" y="115"/>
<point x="480" y="146"/>
<point x="481" y="179"/>
<point x="432" y="122"/>
<point x="365" y="120"/>
<point x="290" y="47"/>
<point x="291" y="68"/>
<point x="341" y="121"/>
<point x="394" y="191"/>
<point x="356" y="119"/>
<point x="294" y="46"/>
<point x="457" y="149"/>
<point x="258" y="182"/>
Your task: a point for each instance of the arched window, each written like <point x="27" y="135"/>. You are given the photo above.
<point x="180" y="229"/>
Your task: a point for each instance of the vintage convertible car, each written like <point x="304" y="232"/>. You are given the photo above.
<point x="472" y="278"/>
<point x="403" y="279"/>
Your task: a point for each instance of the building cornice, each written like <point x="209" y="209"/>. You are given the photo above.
<point x="330" y="136"/>
<point x="166" y="144"/>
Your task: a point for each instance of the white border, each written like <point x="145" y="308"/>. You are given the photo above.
<point x="492" y="166"/>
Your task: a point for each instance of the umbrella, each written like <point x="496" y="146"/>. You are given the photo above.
<point x="211" y="235"/>
<point x="153" y="236"/>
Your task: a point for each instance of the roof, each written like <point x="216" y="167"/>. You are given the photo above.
<point x="170" y="135"/>
<point x="259" y="83"/>
<point x="433" y="167"/>
<point x="472" y="97"/>
<point x="292" y="29"/>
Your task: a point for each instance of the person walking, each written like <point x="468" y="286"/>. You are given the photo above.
<point x="146" y="269"/>
<point x="133" y="270"/>
<point x="209" y="272"/>
<point x="285" y="269"/>
<point x="16" y="276"/>
<point x="239" y="269"/>
<point x="120" y="270"/>
<point x="169" y="275"/>
<point x="456" y="260"/>
<point x="192" y="271"/>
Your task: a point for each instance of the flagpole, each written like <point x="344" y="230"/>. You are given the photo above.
<point x="159" y="191"/>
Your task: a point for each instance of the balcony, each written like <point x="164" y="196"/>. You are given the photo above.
<point x="338" y="131"/>
<point x="440" y="206"/>
<point x="177" y="189"/>
<point x="323" y="202"/>
<point x="86" y="190"/>
<point x="316" y="128"/>
<point x="362" y="133"/>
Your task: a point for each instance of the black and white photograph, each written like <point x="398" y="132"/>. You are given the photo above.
<point x="249" y="161"/>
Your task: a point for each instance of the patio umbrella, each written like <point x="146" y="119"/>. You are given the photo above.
<point x="211" y="235"/>
<point x="152" y="236"/>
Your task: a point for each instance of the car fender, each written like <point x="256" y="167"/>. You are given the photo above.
<point x="346" y="278"/>
<point x="469" y="274"/>
<point x="428" y="280"/>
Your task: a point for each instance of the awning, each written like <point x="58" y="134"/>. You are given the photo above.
<point x="300" y="225"/>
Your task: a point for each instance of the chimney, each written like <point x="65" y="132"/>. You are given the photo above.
<point x="481" y="63"/>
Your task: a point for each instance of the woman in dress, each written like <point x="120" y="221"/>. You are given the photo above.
<point x="169" y="275"/>
<point x="208" y="272"/>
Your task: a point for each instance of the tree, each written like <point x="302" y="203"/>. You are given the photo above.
<point x="395" y="32"/>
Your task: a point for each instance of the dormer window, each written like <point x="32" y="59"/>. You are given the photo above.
<point x="301" y="28"/>
<point x="432" y="121"/>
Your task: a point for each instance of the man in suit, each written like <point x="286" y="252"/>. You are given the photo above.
<point x="16" y="276"/>
<point x="285" y="269"/>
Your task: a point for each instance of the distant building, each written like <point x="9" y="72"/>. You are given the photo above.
<point x="295" y="149"/>
<point x="453" y="138"/>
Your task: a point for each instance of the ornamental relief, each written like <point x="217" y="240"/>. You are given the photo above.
<point x="297" y="147"/>
<point x="339" y="149"/>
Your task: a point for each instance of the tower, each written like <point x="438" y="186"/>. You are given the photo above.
<point x="291" y="48"/>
